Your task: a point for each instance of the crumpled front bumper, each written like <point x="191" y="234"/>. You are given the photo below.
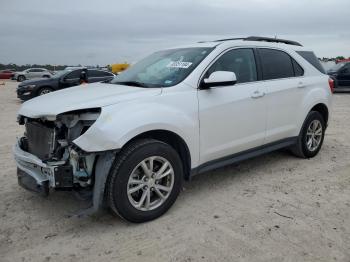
<point x="33" y="174"/>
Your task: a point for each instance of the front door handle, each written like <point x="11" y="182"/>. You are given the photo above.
<point x="301" y="85"/>
<point x="257" y="94"/>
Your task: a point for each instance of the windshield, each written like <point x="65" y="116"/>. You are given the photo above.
<point x="164" y="68"/>
<point x="336" y="67"/>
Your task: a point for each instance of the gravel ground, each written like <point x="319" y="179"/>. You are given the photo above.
<point x="271" y="208"/>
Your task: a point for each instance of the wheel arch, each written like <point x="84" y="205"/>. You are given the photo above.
<point x="322" y="109"/>
<point x="172" y="139"/>
<point x="37" y="91"/>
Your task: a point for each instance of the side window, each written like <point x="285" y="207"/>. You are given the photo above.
<point x="312" y="59"/>
<point x="73" y="75"/>
<point x="107" y="74"/>
<point x="275" y="64"/>
<point x="95" y="73"/>
<point x="346" y="69"/>
<point x="298" y="70"/>
<point x="239" y="61"/>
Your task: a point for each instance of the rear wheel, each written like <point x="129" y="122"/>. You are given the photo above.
<point x="21" y="78"/>
<point x="144" y="181"/>
<point x="311" y="136"/>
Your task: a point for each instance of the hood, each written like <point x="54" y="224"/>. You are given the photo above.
<point x="83" y="97"/>
<point x="37" y="81"/>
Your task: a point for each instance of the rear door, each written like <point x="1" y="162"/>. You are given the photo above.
<point x="98" y="76"/>
<point x="285" y="84"/>
<point x="38" y="73"/>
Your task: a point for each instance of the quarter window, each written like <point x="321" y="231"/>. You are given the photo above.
<point x="239" y="61"/>
<point x="275" y="64"/>
<point x="312" y="59"/>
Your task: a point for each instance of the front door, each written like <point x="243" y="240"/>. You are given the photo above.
<point x="232" y="118"/>
<point x="71" y="79"/>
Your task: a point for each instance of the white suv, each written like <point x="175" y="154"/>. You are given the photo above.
<point x="178" y="112"/>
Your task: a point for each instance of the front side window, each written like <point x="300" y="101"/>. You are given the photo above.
<point x="275" y="64"/>
<point x="239" y="61"/>
<point x="74" y="74"/>
<point x="164" y="68"/>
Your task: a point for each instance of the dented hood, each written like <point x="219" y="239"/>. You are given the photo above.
<point x="82" y="97"/>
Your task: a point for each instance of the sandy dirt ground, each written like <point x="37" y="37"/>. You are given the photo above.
<point x="271" y="208"/>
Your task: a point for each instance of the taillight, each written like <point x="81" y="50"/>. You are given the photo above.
<point x="331" y="84"/>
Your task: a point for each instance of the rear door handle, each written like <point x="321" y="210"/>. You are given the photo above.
<point x="257" y="94"/>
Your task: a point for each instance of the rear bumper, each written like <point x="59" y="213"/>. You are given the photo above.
<point x="33" y="174"/>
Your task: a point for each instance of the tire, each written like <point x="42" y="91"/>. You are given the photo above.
<point x="127" y="169"/>
<point x="21" y="78"/>
<point x="44" y="90"/>
<point x="303" y="147"/>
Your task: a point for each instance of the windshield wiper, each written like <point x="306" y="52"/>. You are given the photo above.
<point x="132" y="83"/>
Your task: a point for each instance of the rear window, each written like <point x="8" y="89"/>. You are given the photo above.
<point x="312" y="59"/>
<point x="275" y="64"/>
<point x="98" y="73"/>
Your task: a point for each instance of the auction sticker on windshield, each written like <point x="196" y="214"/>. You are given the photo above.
<point x="179" y="64"/>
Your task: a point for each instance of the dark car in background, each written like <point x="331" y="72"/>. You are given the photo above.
<point x="63" y="79"/>
<point x="341" y="74"/>
<point x="6" y="74"/>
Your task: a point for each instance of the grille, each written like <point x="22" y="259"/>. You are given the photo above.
<point x="41" y="140"/>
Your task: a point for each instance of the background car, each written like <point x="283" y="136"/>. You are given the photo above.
<point x="63" y="79"/>
<point x="32" y="73"/>
<point x="341" y="74"/>
<point x="6" y="74"/>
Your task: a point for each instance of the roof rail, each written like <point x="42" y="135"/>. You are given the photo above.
<point x="222" y="40"/>
<point x="273" y="40"/>
<point x="259" y="38"/>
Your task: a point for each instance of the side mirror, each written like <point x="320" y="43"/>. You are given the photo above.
<point x="219" y="78"/>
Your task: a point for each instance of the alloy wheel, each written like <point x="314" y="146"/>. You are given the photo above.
<point x="150" y="183"/>
<point x="314" y="135"/>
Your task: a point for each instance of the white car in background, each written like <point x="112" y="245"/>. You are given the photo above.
<point x="177" y="113"/>
<point x="32" y="73"/>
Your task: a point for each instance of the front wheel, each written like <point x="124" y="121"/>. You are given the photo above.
<point x="311" y="136"/>
<point x="44" y="90"/>
<point x="144" y="181"/>
<point x="21" y="78"/>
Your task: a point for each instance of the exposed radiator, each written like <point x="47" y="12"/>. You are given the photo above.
<point x="41" y="140"/>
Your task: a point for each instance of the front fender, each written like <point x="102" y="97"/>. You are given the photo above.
<point x="119" y="123"/>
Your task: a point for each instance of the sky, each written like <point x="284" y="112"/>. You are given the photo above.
<point x="103" y="32"/>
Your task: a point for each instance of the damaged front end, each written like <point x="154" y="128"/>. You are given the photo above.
<point x="47" y="158"/>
